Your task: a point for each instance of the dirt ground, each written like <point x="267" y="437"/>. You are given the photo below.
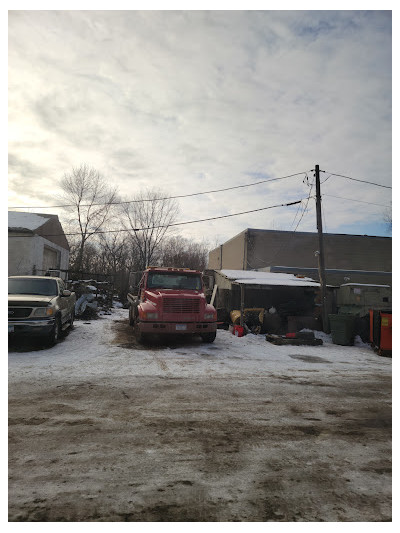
<point x="182" y="445"/>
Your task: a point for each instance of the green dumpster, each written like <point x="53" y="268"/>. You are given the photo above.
<point x="342" y="329"/>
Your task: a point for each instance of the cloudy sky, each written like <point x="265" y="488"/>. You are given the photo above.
<point x="192" y="101"/>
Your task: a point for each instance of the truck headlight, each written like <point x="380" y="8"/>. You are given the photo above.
<point x="208" y="316"/>
<point x="151" y="316"/>
<point x="43" y="311"/>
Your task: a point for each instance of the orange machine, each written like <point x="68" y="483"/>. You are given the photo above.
<point x="381" y="331"/>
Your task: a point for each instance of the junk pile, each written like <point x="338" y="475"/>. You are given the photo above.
<point x="253" y="319"/>
<point x="300" y="338"/>
<point x="92" y="297"/>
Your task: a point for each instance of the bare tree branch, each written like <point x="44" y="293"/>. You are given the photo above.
<point x="153" y="219"/>
<point x="83" y="188"/>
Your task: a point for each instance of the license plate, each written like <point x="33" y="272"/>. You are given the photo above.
<point x="10" y="329"/>
<point x="180" y="327"/>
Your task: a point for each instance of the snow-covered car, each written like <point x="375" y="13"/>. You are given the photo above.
<point x="39" y="306"/>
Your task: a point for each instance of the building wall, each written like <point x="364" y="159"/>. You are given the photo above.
<point x="230" y="255"/>
<point x="267" y="248"/>
<point x="25" y="254"/>
<point x="20" y="254"/>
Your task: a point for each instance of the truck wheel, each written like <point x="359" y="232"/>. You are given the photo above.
<point x="71" y="320"/>
<point x="209" y="337"/>
<point x="131" y="320"/>
<point x="142" y="338"/>
<point x="55" y="333"/>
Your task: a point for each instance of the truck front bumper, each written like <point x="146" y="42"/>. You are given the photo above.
<point x="30" y="327"/>
<point x="179" y="328"/>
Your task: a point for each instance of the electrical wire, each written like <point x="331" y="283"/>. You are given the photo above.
<point x="355" y="179"/>
<point x="283" y="245"/>
<point x="165" y="198"/>
<point x="169" y="225"/>
<point x="323" y="216"/>
<point x="353" y="200"/>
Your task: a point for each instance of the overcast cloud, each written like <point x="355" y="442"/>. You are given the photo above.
<point x="191" y="101"/>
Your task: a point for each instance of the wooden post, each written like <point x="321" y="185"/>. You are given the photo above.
<point x="321" y="256"/>
<point x="242" y="305"/>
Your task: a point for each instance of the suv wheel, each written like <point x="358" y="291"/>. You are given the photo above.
<point x="54" y="334"/>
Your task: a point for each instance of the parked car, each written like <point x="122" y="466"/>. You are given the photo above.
<point x="39" y="306"/>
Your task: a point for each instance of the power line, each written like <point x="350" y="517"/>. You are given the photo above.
<point x="169" y="225"/>
<point x="355" y="179"/>
<point x="353" y="200"/>
<point x="166" y="198"/>
<point x="290" y="237"/>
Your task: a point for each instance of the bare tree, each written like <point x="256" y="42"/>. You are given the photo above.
<point x="90" y="200"/>
<point x="113" y="249"/>
<point x="387" y="217"/>
<point x="180" y="252"/>
<point x="148" y="219"/>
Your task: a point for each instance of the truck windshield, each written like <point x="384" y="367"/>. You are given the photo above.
<point x="173" y="280"/>
<point x="42" y="287"/>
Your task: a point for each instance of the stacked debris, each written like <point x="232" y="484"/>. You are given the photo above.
<point x="92" y="298"/>
<point x="300" y="338"/>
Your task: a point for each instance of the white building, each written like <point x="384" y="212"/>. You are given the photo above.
<point x="36" y="244"/>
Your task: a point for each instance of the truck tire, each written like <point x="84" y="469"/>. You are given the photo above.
<point x="209" y="337"/>
<point x="142" y="338"/>
<point x="55" y="333"/>
<point x="71" y="319"/>
<point x="131" y="319"/>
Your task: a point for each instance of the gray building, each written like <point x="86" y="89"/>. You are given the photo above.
<point x="348" y="258"/>
<point x="36" y="244"/>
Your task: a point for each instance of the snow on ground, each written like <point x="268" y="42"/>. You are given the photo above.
<point x="104" y="429"/>
<point x="89" y="351"/>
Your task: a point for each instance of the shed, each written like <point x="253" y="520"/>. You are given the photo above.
<point x="289" y="301"/>
<point x="36" y="244"/>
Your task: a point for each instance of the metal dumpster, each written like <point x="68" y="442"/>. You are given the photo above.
<point x="342" y="329"/>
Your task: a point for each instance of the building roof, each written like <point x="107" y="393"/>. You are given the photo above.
<point x="26" y="221"/>
<point x="363" y="285"/>
<point x="250" y="277"/>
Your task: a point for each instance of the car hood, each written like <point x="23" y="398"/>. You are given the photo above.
<point x="21" y="298"/>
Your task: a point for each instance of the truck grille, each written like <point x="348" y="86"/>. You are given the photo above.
<point x="181" y="305"/>
<point x="19" y="312"/>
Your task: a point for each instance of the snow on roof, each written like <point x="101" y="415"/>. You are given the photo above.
<point x="363" y="285"/>
<point x="249" y="277"/>
<point x="31" y="221"/>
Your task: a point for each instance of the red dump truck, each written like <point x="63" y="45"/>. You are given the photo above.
<point x="172" y="301"/>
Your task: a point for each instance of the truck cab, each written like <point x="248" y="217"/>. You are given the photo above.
<point x="172" y="301"/>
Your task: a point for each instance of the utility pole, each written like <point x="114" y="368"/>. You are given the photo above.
<point x="321" y="256"/>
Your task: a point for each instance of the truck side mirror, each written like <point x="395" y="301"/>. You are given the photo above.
<point x="66" y="292"/>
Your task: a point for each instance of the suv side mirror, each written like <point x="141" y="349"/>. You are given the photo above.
<point x="66" y="292"/>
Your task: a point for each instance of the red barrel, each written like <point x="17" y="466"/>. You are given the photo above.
<point x="238" y="331"/>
